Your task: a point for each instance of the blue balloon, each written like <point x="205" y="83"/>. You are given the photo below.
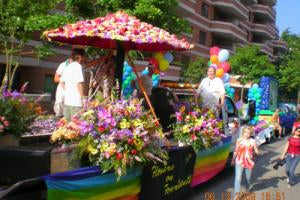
<point x="126" y="74"/>
<point x="227" y="85"/>
<point x="226" y="78"/>
<point x="223" y="55"/>
<point x="145" y="71"/>
<point x="128" y="69"/>
<point x="260" y="90"/>
<point x="125" y="63"/>
<point x="255" y="85"/>
<point x="169" y="57"/>
<point x="232" y="90"/>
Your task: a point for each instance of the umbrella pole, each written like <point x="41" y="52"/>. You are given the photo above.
<point x="119" y="65"/>
<point x="141" y="86"/>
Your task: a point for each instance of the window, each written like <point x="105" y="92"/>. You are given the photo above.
<point x="49" y="86"/>
<point x="204" y="10"/>
<point x="202" y="37"/>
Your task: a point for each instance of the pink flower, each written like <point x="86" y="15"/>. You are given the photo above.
<point x="6" y="123"/>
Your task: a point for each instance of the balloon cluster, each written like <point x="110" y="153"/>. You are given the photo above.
<point x="219" y="60"/>
<point x="229" y="90"/>
<point x="128" y="77"/>
<point x="155" y="77"/>
<point x="255" y="93"/>
<point x="161" y="61"/>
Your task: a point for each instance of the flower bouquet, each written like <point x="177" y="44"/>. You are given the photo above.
<point x="115" y="135"/>
<point x="199" y="129"/>
<point x="18" y="112"/>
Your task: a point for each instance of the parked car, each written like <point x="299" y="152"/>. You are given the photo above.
<point x="288" y="115"/>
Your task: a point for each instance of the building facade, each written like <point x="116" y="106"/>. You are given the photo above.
<point x="225" y="23"/>
<point x="230" y="24"/>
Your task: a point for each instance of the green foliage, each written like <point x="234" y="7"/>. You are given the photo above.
<point x="195" y="71"/>
<point x="18" y="20"/>
<point x="289" y="67"/>
<point x="159" y="13"/>
<point x="251" y="64"/>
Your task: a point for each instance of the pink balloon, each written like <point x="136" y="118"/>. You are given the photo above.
<point x="225" y="66"/>
<point x="214" y="66"/>
<point x="214" y="51"/>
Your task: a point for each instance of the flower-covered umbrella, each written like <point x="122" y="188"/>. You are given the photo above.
<point x="122" y="32"/>
<point x="103" y="32"/>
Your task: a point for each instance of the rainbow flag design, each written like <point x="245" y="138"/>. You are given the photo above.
<point x="89" y="184"/>
<point x="210" y="162"/>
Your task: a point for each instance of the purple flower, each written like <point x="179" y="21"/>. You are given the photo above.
<point x="15" y="94"/>
<point x="85" y="127"/>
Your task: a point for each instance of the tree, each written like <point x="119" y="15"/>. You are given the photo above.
<point x="289" y="66"/>
<point x="195" y="71"/>
<point x="18" y="21"/>
<point x="251" y="64"/>
<point x="157" y="12"/>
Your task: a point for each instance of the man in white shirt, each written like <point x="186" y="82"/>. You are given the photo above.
<point x="211" y="90"/>
<point x="59" y="95"/>
<point x="72" y="81"/>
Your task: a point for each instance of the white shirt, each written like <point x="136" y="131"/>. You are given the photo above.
<point x="72" y="75"/>
<point x="59" y="95"/>
<point x="210" y="91"/>
<point x="147" y="83"/>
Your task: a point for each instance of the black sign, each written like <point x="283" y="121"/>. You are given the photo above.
<point x="171" y="181"/>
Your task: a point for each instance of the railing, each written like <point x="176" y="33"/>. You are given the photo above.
<point x="236" y="4"/>
<point x="234" y="29"/>
<point x="265" y="9"/>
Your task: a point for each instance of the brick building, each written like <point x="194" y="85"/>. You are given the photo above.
<point x="224" y="23"/>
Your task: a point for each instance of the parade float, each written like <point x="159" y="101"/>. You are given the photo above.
<point x="119" y="145"/>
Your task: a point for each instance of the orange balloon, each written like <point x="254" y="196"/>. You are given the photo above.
<point x="220" y="72"/>
<point x="214" y="59"/>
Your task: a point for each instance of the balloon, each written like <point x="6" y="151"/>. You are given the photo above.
<point x="232" y="90"/>
<point x="214" y="51"/>
<point x="162" y="74"/>
<point x="153" y="62"/>
<point x="209" y="63"/>
<point x="128" y="69"/>
<point x="156" y="71"/>
<point x="226" y="78"/>
<point x="254" y="90"/>
<point x="125" y="63"/>
<point x="163" y="65"/>
<point x="227" y="85"/>
<point x="223" y="55"/>
<point x="145" y="71"/>
<point x="225" y="66"/>
<point x="220" y="72"/>
<point x="214" y="59"/>
<point x="255" y="85"/>
<point x="169" y="57"/>
<point x="214" y="66"/>
<point x="257" y="96"/>
<point x="260" y="90"/>
<point x="159" y="56"/>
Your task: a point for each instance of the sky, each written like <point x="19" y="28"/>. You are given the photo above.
<point x="288" y="15"/>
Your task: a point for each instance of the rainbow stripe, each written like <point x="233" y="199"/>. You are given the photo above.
<point x="210" y="162"/>
<point x="88" y="183"/>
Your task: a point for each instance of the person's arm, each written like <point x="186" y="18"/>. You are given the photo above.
<point x="222" y="91"/>
<point x="284" y="151"/>
<point x="294" y="128"/>
<point x="80" y="87"/>
<point x="237" y="146"/>
<point x="57" y="78"/>
<point x="256" y="148"/>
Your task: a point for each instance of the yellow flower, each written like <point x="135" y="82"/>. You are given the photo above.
<point x="137" y="123"/>
<point x="124" y="124"/>
<point x="186" y="129"/>
<point x="92" y="150"/>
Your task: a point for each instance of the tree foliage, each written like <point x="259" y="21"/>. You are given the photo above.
<point x="18" y="21"/>
<point x="251" y="64"/>
<point x="157" y="12"/>
<point x="289" y="67"/>
<point x="195" y="71"/>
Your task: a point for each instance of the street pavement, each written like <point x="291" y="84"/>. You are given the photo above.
<point x="267" y="183"/>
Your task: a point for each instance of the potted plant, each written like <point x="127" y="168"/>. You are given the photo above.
<point x="17" y="113"/>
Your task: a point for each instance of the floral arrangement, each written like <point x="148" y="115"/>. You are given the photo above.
<point x="3" y="124"/>
<point x="119" y="26"/>
<point x="18" y="111"/>
<point x="42" y="125"/>
<point x="115" y="135"/>
<point x="199" y="129"/>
